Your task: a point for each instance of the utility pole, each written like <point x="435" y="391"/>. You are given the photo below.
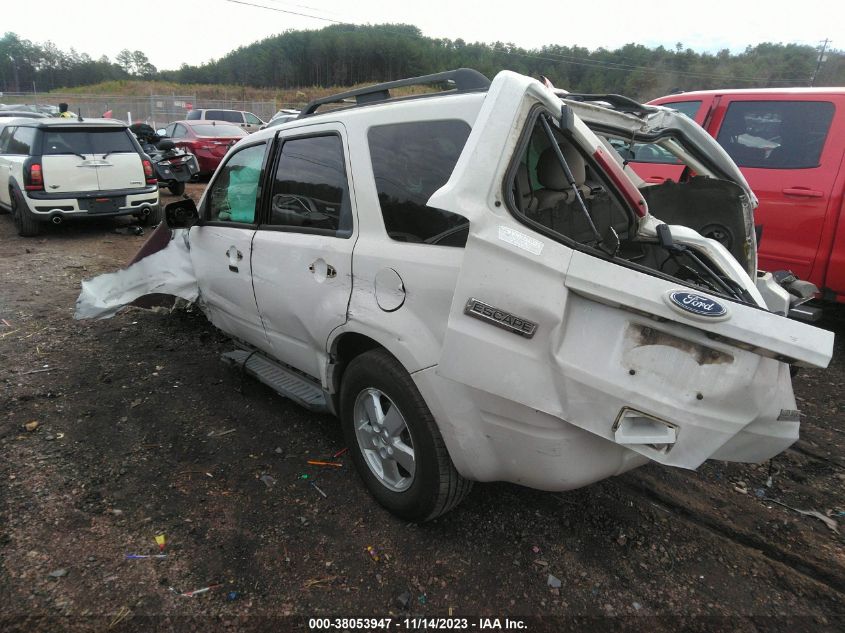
<point x="821" y="59"/>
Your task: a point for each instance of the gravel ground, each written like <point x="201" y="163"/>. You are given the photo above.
<point x="141" y="430"/>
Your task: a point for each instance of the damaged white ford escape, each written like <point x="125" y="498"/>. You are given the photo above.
<point x="479" y="287"/>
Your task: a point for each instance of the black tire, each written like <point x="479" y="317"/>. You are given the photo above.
<point x="154" y="218"/>
<point x="26" y="225"/>
<point x="436" y="487"/>
<point x="176" y="188"/>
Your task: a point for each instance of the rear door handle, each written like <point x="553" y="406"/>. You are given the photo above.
<point x="655" y="179"/>
<point x="804" y="192"/>
<point x="234" y="256"/>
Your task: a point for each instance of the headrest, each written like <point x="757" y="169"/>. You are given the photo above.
<point x="550" y="173"/>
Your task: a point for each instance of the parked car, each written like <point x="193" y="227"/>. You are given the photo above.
<point x="476" y="285"/>
<point x="790" y="145"/>
<point x="282" y="116"/>
<point x="246" y="120"/>
<point x="21" y="114"/>
<point x="207" y="140"/>
<point x="52" y="170"/>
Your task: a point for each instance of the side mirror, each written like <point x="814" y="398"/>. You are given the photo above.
<point x="161" y="132"/>
<point x="182" y="214"/>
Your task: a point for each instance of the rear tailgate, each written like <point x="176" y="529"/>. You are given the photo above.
<point x="120" y="166"/>
<point x="70" y="173"/>
<point x="81" y="158"/>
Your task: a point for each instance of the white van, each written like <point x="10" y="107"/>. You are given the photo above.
<point x="246" y="120"/>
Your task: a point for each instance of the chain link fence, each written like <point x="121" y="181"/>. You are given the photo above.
<point x="157" y="110"/>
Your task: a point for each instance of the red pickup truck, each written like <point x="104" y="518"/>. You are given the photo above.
<point x="790" y="145"/>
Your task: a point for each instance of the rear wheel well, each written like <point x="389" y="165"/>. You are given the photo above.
<point x="344" y="350"/>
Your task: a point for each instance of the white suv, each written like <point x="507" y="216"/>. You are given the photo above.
<point x="475" y="284"/>
<point x="52" y="170"/>
<point x="246" y="120"/>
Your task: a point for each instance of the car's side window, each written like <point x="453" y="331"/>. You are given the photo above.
<point x="169" y="130"/>
<point x="410" y="162"/>
<point x="5" y="135"/>
<point x="310" y="189"/>
<point x="543" y="196"/>
<point x="251" y="118"/>
<point x="179" y="131"/>
<point x="234" y="192"/>
<point x="776" y="134"/>
<point x="23" y="138"/>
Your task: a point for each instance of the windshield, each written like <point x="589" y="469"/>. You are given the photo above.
<point x="219" y="129"/>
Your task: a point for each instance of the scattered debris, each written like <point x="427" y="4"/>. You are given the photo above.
<point x="195" y="592"/>
<point x="535" y="549"/>
<point x="39" y="371"/>
<point x="403" y="601"/>
<point x="637" y="606"/>
<point x="58" y="573"/>
<point x="129" y="230"/>
<point x="160" y="541"/>
<point x="339" y="453"/>
<point x="318" y="489"/>
<point x="221" y="434"/>
<point x="317" y="462"/>
<point x="422" y="599"/>
<point x="124" y="611"/>
<point x="304" y="476"/>
<point x="268" y="480"/>
<point x="830" y="523"/>
<point x="31" y="426"/>
<point x="373" y="552"/>
<point x="553" y="582"/>
<point x="139" y="556"/>
<point x="232" y="595"/>
<point x="278" y="450"/>
<point x="314" y="582"/>
<point x="621" y="540"/>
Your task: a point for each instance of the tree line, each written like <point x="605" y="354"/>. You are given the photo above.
<point x="344" y="55"/>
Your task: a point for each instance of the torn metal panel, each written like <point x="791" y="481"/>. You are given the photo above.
<point x="167" y="271"/>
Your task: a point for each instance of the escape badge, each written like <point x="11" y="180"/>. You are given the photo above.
<point x="500" y="318"/>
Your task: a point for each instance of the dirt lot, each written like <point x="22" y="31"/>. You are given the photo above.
<point x="131" y="414"/>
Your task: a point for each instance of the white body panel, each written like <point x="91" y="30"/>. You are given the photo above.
<point x="120" y="170"/>
<point x="221" y="257"/>
<point x="70" y="172"/>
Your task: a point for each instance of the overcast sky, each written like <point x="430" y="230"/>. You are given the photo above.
<point x="194" y="31"/>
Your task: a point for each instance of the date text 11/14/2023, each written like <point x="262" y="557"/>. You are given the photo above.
<point x="416" y="624"/>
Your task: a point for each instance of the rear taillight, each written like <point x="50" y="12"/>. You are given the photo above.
<point x="33" y="176"/>
<point x="148" y="172"/>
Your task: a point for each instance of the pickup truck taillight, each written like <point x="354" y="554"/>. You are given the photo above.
<point x="148" y="172"/>
<point x="33" y="175"/>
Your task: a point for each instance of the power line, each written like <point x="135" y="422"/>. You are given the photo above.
<point x="304" y="15"/>
<point x="546" y="56"/>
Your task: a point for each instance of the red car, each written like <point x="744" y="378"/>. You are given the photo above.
<point x="790" y="145"/>
<point x="207" y="140"/>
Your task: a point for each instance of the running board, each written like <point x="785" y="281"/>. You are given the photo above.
<point x="280" y="379"/>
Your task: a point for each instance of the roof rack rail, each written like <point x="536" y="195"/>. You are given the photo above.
<point x="464" y="80"/>
<point x="617" y="102"/>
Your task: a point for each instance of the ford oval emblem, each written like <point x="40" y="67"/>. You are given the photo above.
<point x="697" y="304"/>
